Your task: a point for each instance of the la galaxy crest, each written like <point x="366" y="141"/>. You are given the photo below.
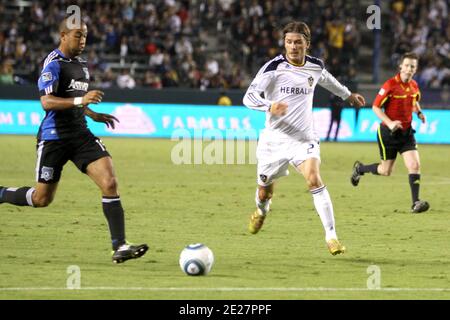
<point x="310" y="81"/>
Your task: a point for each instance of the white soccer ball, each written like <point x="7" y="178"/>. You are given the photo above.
<point x="196" y="259"/>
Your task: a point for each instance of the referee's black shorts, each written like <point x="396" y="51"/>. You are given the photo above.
<point x="53" y="155"/>
<point x="391" y="143"/>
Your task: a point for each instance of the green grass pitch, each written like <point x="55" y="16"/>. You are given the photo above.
<point x="169" y="206"/>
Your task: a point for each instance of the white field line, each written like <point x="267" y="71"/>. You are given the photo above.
<point x="219" y="289"/>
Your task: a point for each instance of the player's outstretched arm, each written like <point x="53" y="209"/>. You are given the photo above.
<point x="93" y="96"/>
<point x="392" y="125"/>
<point x="356" y="100"/>
<point x="107" y="119"/>
<point x="419" y="113"/>
<point x="278" y="108"/>
<point x="51" y="102"/>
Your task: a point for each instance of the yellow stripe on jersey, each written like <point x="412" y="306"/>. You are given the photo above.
<point x="381" y="142"/>
<point x="401" y="97"/>
<point x="383" y="101"/>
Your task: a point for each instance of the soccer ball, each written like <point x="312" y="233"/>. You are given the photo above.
<point x="196" y="259"/>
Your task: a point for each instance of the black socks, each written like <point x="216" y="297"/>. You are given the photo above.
<point x="17" y="196"/>
<point x="112" y="208"/>
<point x="414" y="184"/>
<point x="373" y="168"/>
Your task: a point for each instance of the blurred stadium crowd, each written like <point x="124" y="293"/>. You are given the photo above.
<point x="423" y="27"/>
<point x="214" y="43"/>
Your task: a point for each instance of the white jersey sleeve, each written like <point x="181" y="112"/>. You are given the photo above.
<point x="330" y="83"/>
<point x="252" y="98"/>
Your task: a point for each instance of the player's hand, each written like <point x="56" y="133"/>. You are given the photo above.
<point x="107" y="119"/>
<point x="422" y="117"/>
<point x="278" y="108"/>
<point x="93" y="96"/>
<point x="395" y="125"/>
<point x="356" y="100"/>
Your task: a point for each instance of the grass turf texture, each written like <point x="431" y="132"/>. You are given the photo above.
<point x="169" y="206"/>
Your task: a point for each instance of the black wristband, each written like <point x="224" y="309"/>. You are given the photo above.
<point x="419" y="113"/>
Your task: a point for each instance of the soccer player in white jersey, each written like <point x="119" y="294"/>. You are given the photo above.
<point x="288" y="83"/>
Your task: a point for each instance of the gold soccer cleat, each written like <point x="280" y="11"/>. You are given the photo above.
<point x="256" y="222"/>
<point x="335" y="247"/>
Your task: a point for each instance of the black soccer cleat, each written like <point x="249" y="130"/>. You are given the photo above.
<point x="356" y="175"/>
<point x="420" y="206"/>
<point x="126" y="252"/>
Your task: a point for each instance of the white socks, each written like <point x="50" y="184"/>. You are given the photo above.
<point x="263" y="206"/>
<point x="324" y="208"/>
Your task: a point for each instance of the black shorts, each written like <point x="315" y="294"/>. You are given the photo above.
<point x="391" y="143"/>
<point x="53" y="155"/>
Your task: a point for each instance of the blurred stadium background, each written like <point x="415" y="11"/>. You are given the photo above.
<point x="215" y="45"/>
<point x="206" y="52"/>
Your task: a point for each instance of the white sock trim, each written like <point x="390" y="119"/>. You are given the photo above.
<point x="106" y="200"/>
<point x="318" y="190"/>
<point x="29" y="197"/>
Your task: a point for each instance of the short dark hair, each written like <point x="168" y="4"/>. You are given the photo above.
<point x="298" y="27"/>
<point x="409" y="55"/>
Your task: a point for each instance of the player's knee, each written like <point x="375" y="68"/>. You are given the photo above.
<point x="314" y="182"/>
<point x="42" y="201"/>
<point x="268" y="195"/>
<point x="265" y="194"/>
<point x="110" y="185"/>
<point x="414" y="167"/>
<point x="384" y="171"/>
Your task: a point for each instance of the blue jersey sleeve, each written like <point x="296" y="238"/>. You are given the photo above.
<point x="49" y="78"/>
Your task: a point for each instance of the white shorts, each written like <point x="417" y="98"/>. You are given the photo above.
<point x="275" y="152"/>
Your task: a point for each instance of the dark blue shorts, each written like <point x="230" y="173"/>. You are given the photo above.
<point x="53" y="155"/>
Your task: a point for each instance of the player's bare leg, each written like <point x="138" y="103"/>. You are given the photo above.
<point x="310" y="170"/>
<point x="263" y="198"/>
<point x="102" y="173"/>
<point x="386" y="167"/>
<point x="359" y="169"/>
<point x="44" y="194"/>
<point x="38" y="196"/>
<point x="412" y="163"/>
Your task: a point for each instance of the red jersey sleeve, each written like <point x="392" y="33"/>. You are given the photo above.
<point x="419" y="94"/>
<point x="382" y="95"/>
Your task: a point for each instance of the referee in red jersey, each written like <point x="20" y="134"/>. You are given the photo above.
<point x="399" y="97"/>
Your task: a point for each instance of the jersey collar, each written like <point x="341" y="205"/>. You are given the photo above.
<point x="60" y="53"/>
<point x="398" y="79"/>
<point x="405" y="85"/>
<point x="294" y="64"/>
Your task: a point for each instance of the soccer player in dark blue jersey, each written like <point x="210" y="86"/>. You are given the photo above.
<point x="64" y="135"/>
